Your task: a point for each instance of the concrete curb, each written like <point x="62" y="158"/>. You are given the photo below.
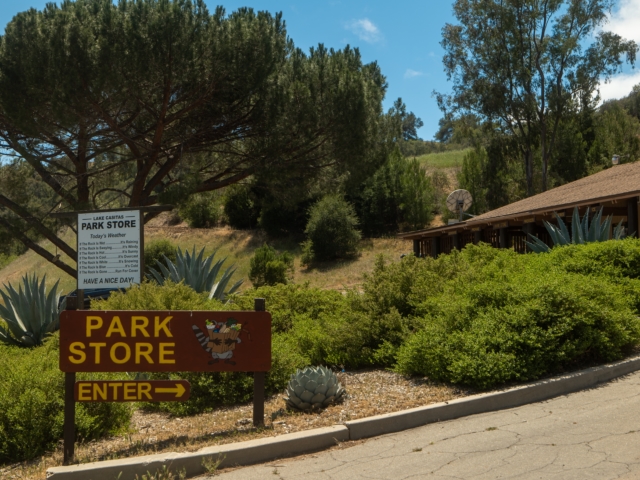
<point x="241" y="453"/>
<point x="489" y="402"/>
<point x="265" y="449"/>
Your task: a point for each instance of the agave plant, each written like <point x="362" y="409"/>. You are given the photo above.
<point x="581" y="231"/>
<point x="198" y="272"/>
<point x="30" y="313"/>
<point x="313" y="387"/>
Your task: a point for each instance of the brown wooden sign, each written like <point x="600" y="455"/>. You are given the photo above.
<point x="132" y="391"/>
<point x="165" y="341"/>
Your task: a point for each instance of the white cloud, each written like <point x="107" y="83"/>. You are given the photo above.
<point x="365" y="30"/>
<point x="412" y="73"/>
<point x="626" y="20"/>
<point x="619" y="86"/>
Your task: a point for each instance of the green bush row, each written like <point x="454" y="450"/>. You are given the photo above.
<point x="32" y="403"/>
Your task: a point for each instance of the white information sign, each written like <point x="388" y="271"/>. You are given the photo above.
<point x="109" y="249"/>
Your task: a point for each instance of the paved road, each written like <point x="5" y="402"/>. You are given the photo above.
<point x="593" y="434"/>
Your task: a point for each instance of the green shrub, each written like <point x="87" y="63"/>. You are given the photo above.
<point x="201" y="210"/>
<point x="151" y="296"/>
<point x="239" y="208"/>
<point x="32" y="403"/>
<point x="521" y="330"/>
<point x="6" y="260"/>
<point x="498" y="317"/>
<point x="332" y="229"/>
<point x="330" y="328"/>
<point x="156" y="250"/>
<point x="267" y="267"/>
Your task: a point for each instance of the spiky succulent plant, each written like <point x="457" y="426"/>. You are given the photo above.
<point x="313" y="387"/>
<point x="581" y="231"/>
<point x="30" y="314"/>
<point x="197" y="272"/>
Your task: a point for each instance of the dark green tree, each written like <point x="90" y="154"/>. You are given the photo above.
<point x="521" y="65"/>
<point x="148" y="101"/>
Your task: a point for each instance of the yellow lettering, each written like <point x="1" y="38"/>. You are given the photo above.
<point x="127" y="353"/>
<point x="93" y="323"/>
<point x="162" y="326"/>
<point x="116" y="327"/>
<point x="148" y="348"/>
<point x="144" y="389"/>
<point x="97" y="347"/>
<point x="164" y="350"/>
<point x="76" y="349"/>
<point x="84" y="392"/>
<point x="97" y="391"/>
<point x="130" y="391"/>
<point x="139" y="323"/>
<point x="114" y="386"/>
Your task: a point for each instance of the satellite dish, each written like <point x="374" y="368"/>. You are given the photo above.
<point x="459" y="202"/>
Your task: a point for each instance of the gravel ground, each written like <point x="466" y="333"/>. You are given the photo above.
<point x="371" y="392"/>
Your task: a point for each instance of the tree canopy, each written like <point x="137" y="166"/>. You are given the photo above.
<point x="523" y="66"/>
<point x="145" y="101"/>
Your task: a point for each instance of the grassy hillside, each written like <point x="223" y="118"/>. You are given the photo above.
<point x="452" y="159"/>
<point x="237" y="246"/>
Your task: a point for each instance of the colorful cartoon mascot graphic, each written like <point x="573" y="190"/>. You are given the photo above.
<point x="221" y="339"/>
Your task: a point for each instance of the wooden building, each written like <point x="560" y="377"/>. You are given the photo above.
<point x="617" y="189"/>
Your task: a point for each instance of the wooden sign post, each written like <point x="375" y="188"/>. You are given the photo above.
<point x="159" y="341"/>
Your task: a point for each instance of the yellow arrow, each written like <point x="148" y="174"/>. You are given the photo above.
<point x="178" y="390"/>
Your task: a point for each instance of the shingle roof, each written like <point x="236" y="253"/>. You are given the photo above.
<point x="617" y="181"/>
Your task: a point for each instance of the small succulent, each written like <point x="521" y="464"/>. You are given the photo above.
<point x="30" y="313"/>
<point x="197" y="272"/>
<point x="313" y="387"/>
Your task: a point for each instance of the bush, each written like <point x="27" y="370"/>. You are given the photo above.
<point x="6" y="260"/>
<point x="201" y="210"/>
<point x="239" y="207"/>
<point x="32" y="404"/>
<point x="151" y="296"/>
<point x="332" y="229"/>
<point x="399" y="195"/>
<point x="156" y="251"/>
<point x="496" y="316"/>
<point x="270" y="268"/>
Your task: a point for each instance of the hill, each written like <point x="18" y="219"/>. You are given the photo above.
<point x="235" y="245"/>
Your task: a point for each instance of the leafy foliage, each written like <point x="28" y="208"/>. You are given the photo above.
<point x="201" y="210"/>
<point x="197" y="272"/>
<point x="267" y="267"/>
<point x="332" y="229"/>
<point x="489" y="56"/>
<point x="398" y="196"/>
<point x="135" y="103"/>
<point x="32" y="404"/>
<point x="30" y="314"/>
<point x="239" y="207"/>
<point x="581" y="231"/>
<point x="157" y="250"/>
<point x="516" y="318"/>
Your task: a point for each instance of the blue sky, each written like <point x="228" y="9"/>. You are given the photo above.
<point x="404" y="37"/>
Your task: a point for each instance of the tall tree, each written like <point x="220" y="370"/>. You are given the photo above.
<point x="129" y="104"/>
<point x="523" y="65"/>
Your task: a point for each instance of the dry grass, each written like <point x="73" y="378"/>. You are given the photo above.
<point x="370" y="393"/>
<point x="236" y="245"/>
